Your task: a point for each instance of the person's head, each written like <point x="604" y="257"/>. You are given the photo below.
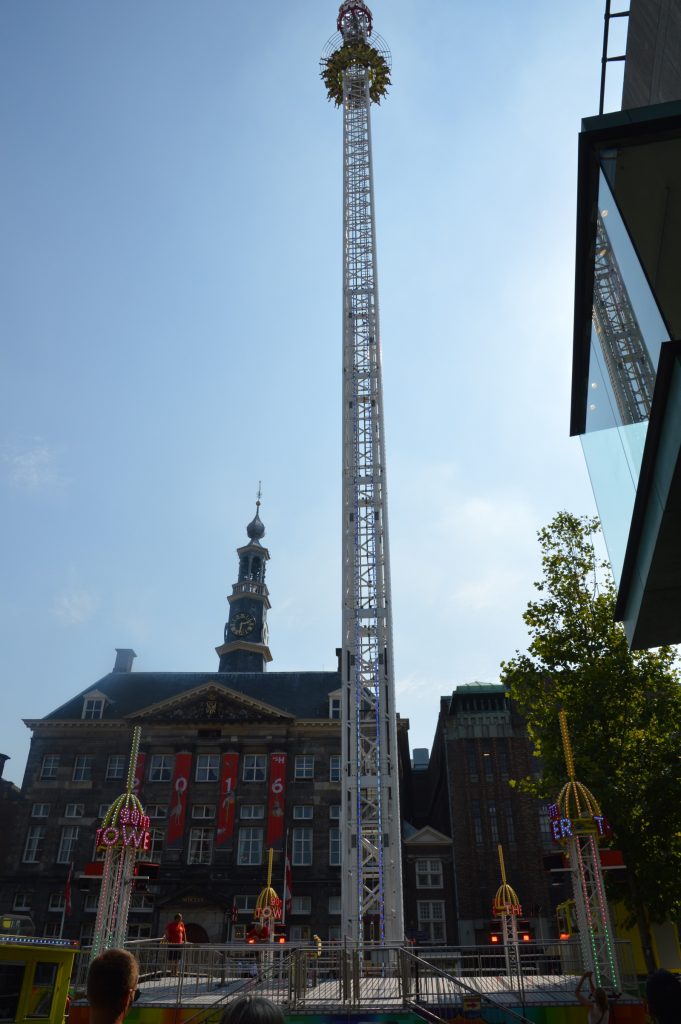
<point x="252" y="1010"/>
<point x="178" y="917"/>
<point x="601" y="999"/>
<point x="112" y="984"/>
<point x="663" y="992"/>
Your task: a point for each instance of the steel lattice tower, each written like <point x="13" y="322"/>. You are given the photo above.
<point x="578" y="826"/>
<point x="355" y="69"/>
<point x="624" y="349"/>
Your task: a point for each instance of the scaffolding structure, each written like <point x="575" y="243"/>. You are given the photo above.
<point x="625" y="353"/>
<point x="355" y="68"/>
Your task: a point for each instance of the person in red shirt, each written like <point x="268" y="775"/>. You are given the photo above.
<point x="175" y="936"/>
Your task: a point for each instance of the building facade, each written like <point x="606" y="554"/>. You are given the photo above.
<point x="465" y="792"/>
<point x="232" y="763"/>
<point x="626" y="378"/>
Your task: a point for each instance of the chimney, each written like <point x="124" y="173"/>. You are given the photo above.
<point x="124" y="659"/>
<point x="3" y="759"/>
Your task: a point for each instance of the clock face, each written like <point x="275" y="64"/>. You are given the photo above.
<point x="242" y="624"/>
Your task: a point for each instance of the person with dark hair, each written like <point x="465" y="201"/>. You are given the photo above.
<point x="176" y="937"/>
<point x="596" y="1001"/>
<point x="663" y="992"/>
<point x="252" y="1010"/>
<point x="112" y="986"/>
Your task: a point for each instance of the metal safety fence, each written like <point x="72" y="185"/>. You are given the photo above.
<point x="436" y="982"/>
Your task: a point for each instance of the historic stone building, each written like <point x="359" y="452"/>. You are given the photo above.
<point x="232" y="763"/>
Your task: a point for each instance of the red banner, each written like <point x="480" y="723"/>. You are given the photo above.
<point x="139" y="773"/>
<point x="225" y="821"/>
<point x="178" y="802"/>
<point x="275" y="805"/>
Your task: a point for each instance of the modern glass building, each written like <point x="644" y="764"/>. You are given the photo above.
<point x="626" y="383"/>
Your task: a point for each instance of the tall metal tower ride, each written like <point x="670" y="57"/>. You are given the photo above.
<point x="356" y="71"/>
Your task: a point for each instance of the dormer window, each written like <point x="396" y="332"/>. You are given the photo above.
<point x="93" y="705"/>
<point x="334" y="707"/>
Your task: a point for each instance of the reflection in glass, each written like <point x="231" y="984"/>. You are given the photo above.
<point x="624" y="350"/>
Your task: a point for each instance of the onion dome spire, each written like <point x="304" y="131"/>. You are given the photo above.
<point x="256" y="527"/>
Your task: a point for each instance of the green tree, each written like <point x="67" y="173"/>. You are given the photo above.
<point x="623" y="709"/>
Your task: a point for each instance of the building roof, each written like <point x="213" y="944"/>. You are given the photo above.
<point x="300" y="694"/>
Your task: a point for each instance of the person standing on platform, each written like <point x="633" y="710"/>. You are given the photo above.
<point x="176" y="937"/>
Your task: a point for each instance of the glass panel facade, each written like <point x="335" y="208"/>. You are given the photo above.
<point x="626" y="336"/>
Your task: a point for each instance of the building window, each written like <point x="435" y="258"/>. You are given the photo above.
<point x="82" y="768"/>
<point x="51" y="929"/>
<point x="493" y="824"/>
<point x="304" y="767"/>
<point x="510" y="829"/>
<point x="91" y="903"/>
<point x="300" y="933"/>
<point x="67" y="844"/>
<point x="138" y="931"/>
<point x="302" y="847"/>
<point x="22" y="901"/>
<point x="141" y="902"/>
<point x="161" y="767"/>
<point x="200" y="846"/>
<point x="250" y="846"/>
<point x="301" y="905"/>
<point x="477" y="822"/>
<point x="93" y="707"/>
<point x="207" y="768"/>
<point x="252" y="812"/>
<point x="57" y="901"/>
<point x="472" y="761"/>
<point x="334" y="905"/>
<point x="40" y="811"/>
<point x="86" y="933"/>
<point x="203" y="811"/>
<point x="431" y="920"/>
<point x="428" y="874"/>
<point x="49" y="766"/>
<point x="74" y="810"/>
<point x="255" y="767"/>
<point x="115" y="767"/>
<point x="335" y="812"/>
<point x="335" y="934"/>
<point x="245" y="904"/>
<point x="334" y="847"/>
<point x="334" y="707"/>
<point x="155" y="850"/>
<point x="103" y="810"/>
<point x="156" y="810"/>
<point x="303" y="812"/>
<point x="33" y="850"/>
<point x="502" y="760"/>
<point x="335" y="768"/>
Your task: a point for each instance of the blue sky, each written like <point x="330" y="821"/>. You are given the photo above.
<point x="170" y="210"/>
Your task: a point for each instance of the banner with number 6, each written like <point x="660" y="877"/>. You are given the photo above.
<point x="275" y="804"/>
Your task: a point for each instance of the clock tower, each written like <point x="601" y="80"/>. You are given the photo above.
<point x="245" y="648"/>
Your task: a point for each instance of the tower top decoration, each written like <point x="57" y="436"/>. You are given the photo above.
<point x="506" y="900"/>
<point x="575" y="801"/>
<point x="350" y="47"/>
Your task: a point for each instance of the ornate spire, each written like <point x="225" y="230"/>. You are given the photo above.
<point x="256" y="528"/>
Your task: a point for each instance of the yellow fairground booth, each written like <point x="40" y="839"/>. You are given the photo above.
<point x="34" y="978"/>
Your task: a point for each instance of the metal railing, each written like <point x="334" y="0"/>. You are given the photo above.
<point x="436" y="982"/>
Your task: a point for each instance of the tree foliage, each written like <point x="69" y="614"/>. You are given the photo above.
<point x="623" y="709"/>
